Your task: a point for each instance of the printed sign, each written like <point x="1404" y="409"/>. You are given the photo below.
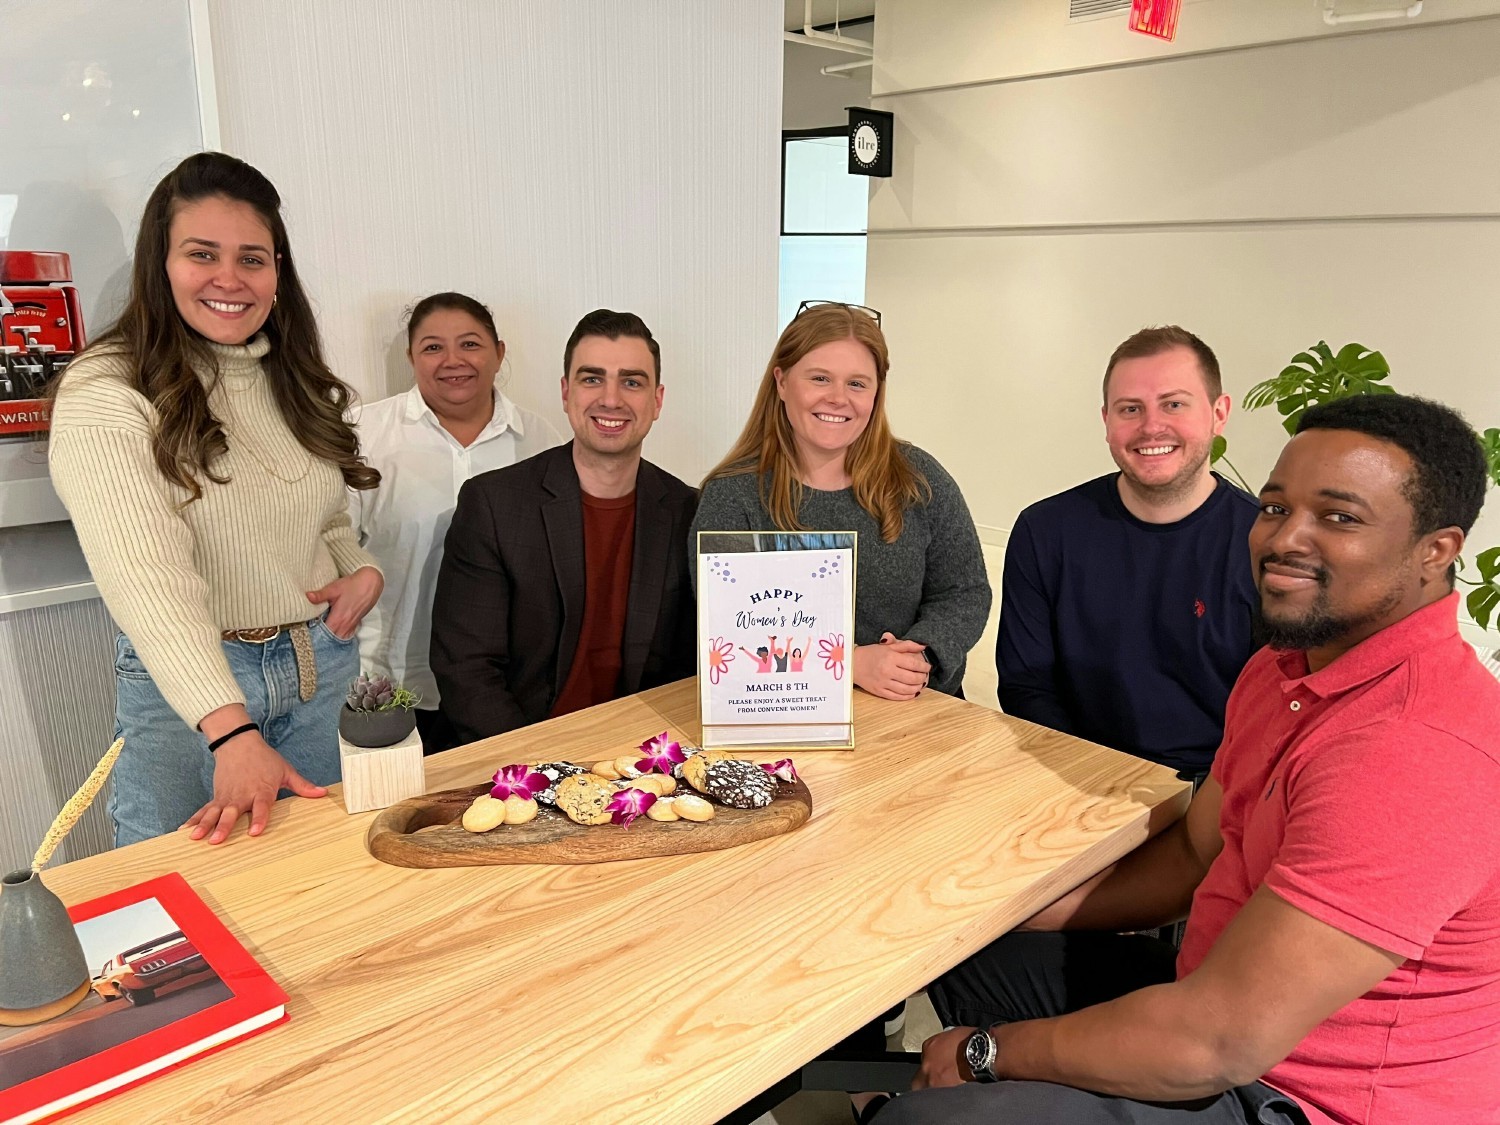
<point x="1155" y="17"/>
<point x="775" y="634"/>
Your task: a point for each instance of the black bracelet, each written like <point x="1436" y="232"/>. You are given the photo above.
<point x="235" y="733"/>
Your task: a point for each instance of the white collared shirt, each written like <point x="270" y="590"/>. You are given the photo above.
<point x="404" y="521"/>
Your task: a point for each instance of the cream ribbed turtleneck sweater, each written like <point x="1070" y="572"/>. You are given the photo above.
<point x="242" y="556"/>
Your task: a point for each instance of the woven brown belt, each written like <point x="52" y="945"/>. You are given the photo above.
<point x="307" y="665"/>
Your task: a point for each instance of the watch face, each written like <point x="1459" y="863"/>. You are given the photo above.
<point x="978" y="1051"/>
<point x="866" y="143"/>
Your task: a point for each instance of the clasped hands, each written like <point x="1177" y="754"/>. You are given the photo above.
<point x="892" y="669"/>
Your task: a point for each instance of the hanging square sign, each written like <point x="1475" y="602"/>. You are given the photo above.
<point x="870" y="141"/>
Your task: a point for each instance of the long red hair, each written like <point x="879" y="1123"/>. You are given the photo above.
<point x="885" y="482"/>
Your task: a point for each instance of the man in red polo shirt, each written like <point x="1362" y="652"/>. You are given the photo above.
<point x="1342" y="957"/>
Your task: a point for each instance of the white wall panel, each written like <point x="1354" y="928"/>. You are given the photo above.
<point x="547" y="156"/>
<point x="1350" y="126"/>
<point x="925" y="43"/>
<point x="56" y="722"/>
<point x="998" y="343"/>
<point x="1047" y="202"/>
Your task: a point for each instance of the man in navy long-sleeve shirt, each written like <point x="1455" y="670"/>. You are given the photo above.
<point x="1127" y="601"/>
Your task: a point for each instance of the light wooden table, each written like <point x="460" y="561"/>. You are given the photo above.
<point x="667" y="990"/>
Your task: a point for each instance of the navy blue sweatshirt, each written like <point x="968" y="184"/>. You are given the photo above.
<point x="1128" y="633"/>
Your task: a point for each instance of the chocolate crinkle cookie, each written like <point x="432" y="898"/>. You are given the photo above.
<point x="555" y="772"/>
<point x="740" y="784"/>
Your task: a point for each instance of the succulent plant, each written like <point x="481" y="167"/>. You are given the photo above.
<point x="377" y="693"/>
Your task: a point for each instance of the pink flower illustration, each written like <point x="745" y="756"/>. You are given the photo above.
<point x="720" y="655"/>
<point x="831" y="649"/>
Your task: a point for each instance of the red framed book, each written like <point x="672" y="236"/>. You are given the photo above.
<point x="171" y="984"/>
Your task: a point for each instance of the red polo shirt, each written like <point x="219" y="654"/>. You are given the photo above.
<point x="1367" y="795"/>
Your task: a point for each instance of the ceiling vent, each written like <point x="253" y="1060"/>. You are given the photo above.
<point x="1095" y="9"/>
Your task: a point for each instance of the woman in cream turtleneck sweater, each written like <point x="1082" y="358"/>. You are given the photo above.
<point x="201" y="449"/>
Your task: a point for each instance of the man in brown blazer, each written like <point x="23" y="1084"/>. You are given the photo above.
<point x="564" y="581"/>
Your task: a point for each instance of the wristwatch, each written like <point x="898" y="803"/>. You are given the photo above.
<point x="979" y="1053"/>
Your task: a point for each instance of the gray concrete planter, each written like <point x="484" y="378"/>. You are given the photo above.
<point x="376" y="728"/>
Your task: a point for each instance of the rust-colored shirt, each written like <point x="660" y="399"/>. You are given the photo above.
<point x="608" y="549"/>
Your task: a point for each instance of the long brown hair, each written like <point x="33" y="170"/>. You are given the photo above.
<point x="884" y="480"/>
<point x="164" y="352"/>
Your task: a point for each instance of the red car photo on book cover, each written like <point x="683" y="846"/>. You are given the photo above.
<point x="173" y="984"/>
<point x="147" y="971"/>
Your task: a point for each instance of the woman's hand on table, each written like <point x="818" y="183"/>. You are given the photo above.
<point x="943" y="1062"/>
<point x="248" y="774"/>
<point x="893" y="669"/>
<point x="349" y="598"/>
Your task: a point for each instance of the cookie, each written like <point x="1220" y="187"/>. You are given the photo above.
<point x="555" y="772"/>
<point x="688" y="752"/>
<point x="520" y="810"/>
<point x="484" y="814"/>
<point x="691" y="807"/>
<point x="739" y="784"/>
<point x="663" y="809"/>
<point x="694" y="768"/>
<point x="584" y="798"/>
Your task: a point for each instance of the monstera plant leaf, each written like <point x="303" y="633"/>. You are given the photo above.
<point x="1490" y="440"/>
<point x="1484" y="598"/>
<point x="1321" y="375"/>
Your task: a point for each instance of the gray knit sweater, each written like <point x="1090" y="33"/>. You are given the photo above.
<point x="928" y="586"/>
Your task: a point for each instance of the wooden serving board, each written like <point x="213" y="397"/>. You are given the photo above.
<point x="427" y="832"/>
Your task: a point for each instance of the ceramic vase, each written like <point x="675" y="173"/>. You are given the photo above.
<point x="42" y="968"/>
<point x="376" y="728"/>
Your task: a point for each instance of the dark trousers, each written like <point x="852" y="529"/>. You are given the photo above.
<point x="1034" y="976"/>
<point x="436" y="731"/>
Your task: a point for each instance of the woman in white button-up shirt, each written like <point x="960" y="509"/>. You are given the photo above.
<point x="453" y="425"/>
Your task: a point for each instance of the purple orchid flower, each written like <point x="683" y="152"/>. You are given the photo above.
<point x="517" y="781"/>
<point x="628" y="804"/>
<point x="782" y="770"/>
<point x="661" y="754"/>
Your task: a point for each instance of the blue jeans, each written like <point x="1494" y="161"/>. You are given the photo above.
<point x="165" y="773"/>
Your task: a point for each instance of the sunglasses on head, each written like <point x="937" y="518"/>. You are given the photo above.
<point x="873" y="314"/>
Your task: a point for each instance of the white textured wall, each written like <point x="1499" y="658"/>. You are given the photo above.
<point x="1340" y="186"/>
<point x="547" y="156"/>
<point x="56" y="723"/>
